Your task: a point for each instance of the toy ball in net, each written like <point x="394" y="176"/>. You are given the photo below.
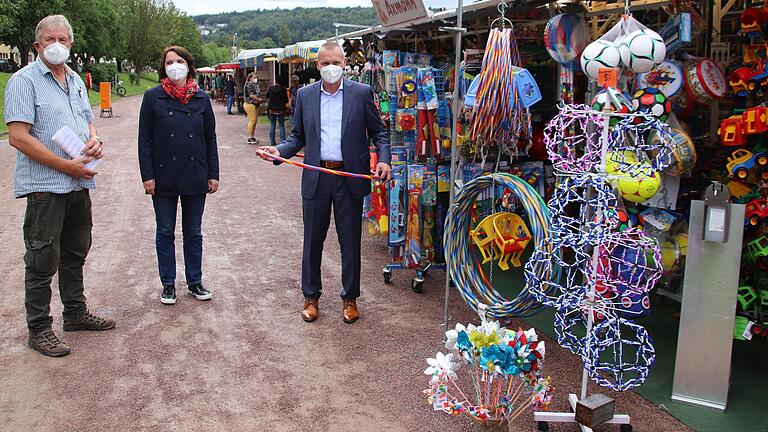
<point x="635" y="219"/>
<point x="599" y="54"/>
<point x="638" y="186"/>
<point x="621" y="219"/>
<point x="642" y="50"/>
<point x="641" y="188"/>
<point x="683" y="152"/>
<point x="565" y="37"/>
<point x="652" y="101"/>
<point x="619" y="103"/>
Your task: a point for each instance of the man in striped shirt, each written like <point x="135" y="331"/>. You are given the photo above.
<point x="40" y="99"/>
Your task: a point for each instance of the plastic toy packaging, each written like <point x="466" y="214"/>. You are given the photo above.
<point x="406" y="120"/>
<point x="407" y="87"/>
<point x="413" y="239"/>
<point x="427" y="92"/>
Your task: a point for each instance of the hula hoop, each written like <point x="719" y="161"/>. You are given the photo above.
<point x="461" y="267"/>
<point x="321" y="169"/>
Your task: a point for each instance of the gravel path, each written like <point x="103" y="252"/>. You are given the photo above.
<point x="245" y="360"/>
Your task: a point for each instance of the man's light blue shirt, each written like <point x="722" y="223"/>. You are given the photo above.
<point x="331" y="107"/>
<point x="33" y="96"/>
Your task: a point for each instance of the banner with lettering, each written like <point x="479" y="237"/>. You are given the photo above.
<point x="393" y="12"/>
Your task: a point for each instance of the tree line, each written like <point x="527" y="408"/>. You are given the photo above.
<point x="133" y="31"/>
<point x="136" y="31"/>
<point x="280" y="27"/>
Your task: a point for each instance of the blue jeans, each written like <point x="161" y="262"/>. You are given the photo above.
<point x="276" y="118"/>
<point x="192" y="207"/>
<point x="230" y="101"/>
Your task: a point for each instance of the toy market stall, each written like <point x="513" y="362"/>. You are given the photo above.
<point x="561" y="166"/>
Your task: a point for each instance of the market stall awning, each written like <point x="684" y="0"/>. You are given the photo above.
<point x="227" y="66"/>
<point x="301" y="51"/>
<point x="257" y="57"/>
<point x="206" y="69"/>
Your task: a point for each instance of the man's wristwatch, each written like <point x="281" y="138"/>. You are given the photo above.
<point x="98" y="138"/>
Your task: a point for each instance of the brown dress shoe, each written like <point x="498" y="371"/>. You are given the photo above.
<point x="309" y="313"/>
<point x="350" y="313"/>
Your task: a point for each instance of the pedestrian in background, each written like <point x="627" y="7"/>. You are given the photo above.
<point x="40" y="100"/>
<point x="277" y="99"/>
<point x="252" y="104"/>
<point x="178" y="158"/>
<point x="230" y="91"/>
<point x="239" y="84"/>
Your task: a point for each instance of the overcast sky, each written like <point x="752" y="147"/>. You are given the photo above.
<point x="198" y="7"/>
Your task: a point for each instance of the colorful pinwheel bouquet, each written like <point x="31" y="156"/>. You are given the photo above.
<point x="504" y="368"/>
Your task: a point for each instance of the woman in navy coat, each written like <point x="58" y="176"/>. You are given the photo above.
<point x="178" y="159"/>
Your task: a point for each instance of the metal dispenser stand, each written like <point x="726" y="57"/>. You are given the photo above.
<point x="705" y="338"/>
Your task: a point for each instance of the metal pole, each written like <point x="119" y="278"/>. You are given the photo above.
<point x="454" y="146"/>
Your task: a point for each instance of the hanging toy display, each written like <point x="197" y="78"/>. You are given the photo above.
<point x="607" y="264"/>
<point x="613" y="101"/>
<point x="565" y="38"/>
<point x="683" y="152"/>
<point x="652" y="101"/>
<point x="642" y="50"/>
<point x="704" y="81"/>
<point x="597" y="55"/>
<point x="500" y="111"/>
<point x="629" y="44"/>
<point x="668" y="77"/>
<point x="572" y="138"/>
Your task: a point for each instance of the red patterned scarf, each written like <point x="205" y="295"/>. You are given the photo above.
<point x="181" y="94"/>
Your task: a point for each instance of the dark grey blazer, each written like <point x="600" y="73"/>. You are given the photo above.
<point x="360" y="121"/>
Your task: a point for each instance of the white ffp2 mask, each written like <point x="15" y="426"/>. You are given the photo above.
<point x="331" y="73"/>
<point x="176" y="71"/>
<point x="56" y="53"/>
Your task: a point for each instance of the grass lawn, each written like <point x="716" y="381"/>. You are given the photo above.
<point x="3" y="79"/>
<point x="147" y="82"/>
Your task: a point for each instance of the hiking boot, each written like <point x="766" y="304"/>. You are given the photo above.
<point x="48" y="344"/>
<point x="199" y="292"/>
<point x="169" y="295"/>
<point x="89" y="322"/>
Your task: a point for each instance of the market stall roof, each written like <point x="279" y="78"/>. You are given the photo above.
<point x="227" y="66"/>
<point x="257" y="57"/>
<point x="302" y="51"/>
<point x="206" y="69"/>
<point x="479" y="9"/>
<point x="255" y="53"/>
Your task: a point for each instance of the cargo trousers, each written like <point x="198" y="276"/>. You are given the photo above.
<point x="57" y="237"/>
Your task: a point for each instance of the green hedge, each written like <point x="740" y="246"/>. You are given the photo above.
<point x="100" y="72"/>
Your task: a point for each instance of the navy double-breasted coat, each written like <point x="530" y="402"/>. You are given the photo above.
<point x="177" y="143"/>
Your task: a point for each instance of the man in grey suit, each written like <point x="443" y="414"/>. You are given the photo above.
<point x="333" y="121"/>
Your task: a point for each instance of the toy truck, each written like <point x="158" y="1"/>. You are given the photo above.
<point x="755" y="211"/>
<point x="741" y="162"/>
<point x="757" y="252"/>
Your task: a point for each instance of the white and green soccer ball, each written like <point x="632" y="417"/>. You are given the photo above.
<point x="599" y="54"/>
<point x="642" y="50"/>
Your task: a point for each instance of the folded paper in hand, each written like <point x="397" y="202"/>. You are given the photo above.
<point x="72" y="145"/>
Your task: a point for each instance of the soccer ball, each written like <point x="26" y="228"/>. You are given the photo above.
<point x="652" y="101"/>
<point x="599" y="54"/>
<point x="635" y="219"/>
<point x="642" y="50"/>
<point x="640" y="188"/>
<point x="603" y="99"/>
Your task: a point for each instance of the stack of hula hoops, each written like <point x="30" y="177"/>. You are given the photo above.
<point x="466" y="271"/>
